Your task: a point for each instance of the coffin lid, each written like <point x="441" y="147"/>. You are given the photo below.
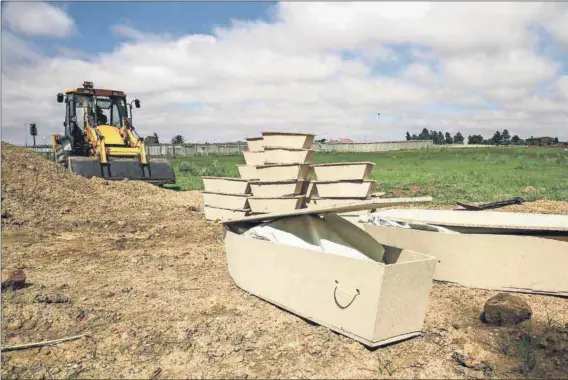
<point x="287" y="133"/>
<point x="345" y="163"/>
<point x="227" y="178"/>
<point x="285" y="182"/>
<point x="276" y="165"/>
<point x="482" y="219"/>
<point x="346" y="181"/>
<point x="355" y="206"/>
<point x="274" y="147"/>
<point x="228" y="194"/>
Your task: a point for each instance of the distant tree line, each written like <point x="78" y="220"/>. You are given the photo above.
<point x="499" y="138"/>
<point x="438" y="137"/>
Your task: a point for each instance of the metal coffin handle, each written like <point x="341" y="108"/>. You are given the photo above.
<point x="355" y="294"/>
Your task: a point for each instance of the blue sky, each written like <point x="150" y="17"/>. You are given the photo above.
<point x="325" y="67"/>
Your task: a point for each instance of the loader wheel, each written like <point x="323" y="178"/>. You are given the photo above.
<point x="61" y="157"/>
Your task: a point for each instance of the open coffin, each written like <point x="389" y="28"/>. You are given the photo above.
<point x="499" y="261"/>
<point x="329" y="271"/>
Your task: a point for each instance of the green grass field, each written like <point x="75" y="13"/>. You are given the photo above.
<point x="448" y="175"/>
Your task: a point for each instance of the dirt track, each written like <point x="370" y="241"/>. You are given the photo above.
<point x="145" y="280"/>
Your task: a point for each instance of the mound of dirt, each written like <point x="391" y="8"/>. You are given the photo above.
<point x="38" y="192"/>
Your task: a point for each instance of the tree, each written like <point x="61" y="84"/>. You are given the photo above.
<point x="414" y="137"/>
<point x="434" y="136"/>
<point x="152" y="139"/>
<point x="506" y="137"/>
<point x="408" y="137"/>
<point x="475" y="139"/>
<point x="449" y="139"/>
<point x="458" y="138"/>
<point x="178" y="139"/>
<point x="440" y="138"/>
<point x="33" y="132"/>
<point x="497" y="139"/>
<point x="424" y="135"/>
<point x="555" y="140"/>
<point x="515" y="139"/>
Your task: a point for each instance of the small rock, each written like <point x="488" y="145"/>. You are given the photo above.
<point x="456" y="325"/>
<point x="506" y="309"/>
<point x="16" y="280"/>
<point x="59" y="298"/>
<point x="109" y="294"/>
<point x="528" y="189"/>
<point x="15" y="325"/>
<point x="473" y="373"/>
<point x="121" y="223"/>
<point x="237" y="339"/>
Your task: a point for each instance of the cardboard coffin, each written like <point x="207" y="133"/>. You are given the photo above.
<point x="285" y="172"/>
<point x="254" y="158"/>
<point x="498" y="262"/>
<point x="261" y="205"/>
<point x="226" y="201"/>
<point x="288" y="140"/>
<point x="247" y="172"/>
<point x="278" y="188"/>
<point x="373" y="302"/>
<point x="343" y="189"/>
<point x="220" y="214"/>
<point x="490" y="222"/>
<point x="227" y="185"/>
<point x="276" y="155"/>
<point x="255" y="144"/>
<point x="347" y="171"/>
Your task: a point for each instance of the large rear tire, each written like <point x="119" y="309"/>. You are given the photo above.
<point x="61" y="156"/>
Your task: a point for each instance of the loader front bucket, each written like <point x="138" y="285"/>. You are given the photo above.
<point x="158" y="171"/>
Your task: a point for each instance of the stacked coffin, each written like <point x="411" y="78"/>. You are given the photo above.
<point x="225" y="198"/>
<point x="281" y="180"/>
<point x="342" y="183"/>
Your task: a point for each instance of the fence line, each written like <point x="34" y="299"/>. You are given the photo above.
<point x="192" y="150"/>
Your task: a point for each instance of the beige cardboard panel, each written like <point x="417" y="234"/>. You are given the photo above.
<point x="288" y="140"/>
<point x="404" y="296"/>
<point x="219" y="214"/>
<point x="499" y="262"/>
<point x="289" y="156"/>
<point x="283" y="172"/>
<point x="485" y="219"/>
<point x="343" y="171"/>
<point x="360" y="205"/>
<point x="340" y="293"/>
<point x="227" y="201"/>
<point x="255" y="144"/>
<point x="226" y="185"/>
<point x="255" y="158"/>
<point x="331" y="202"/>
<point x="270" y="205"/>
<point x="276" y="189"/>
<point x="247" y="172"/>
<point x="344" y="189"/>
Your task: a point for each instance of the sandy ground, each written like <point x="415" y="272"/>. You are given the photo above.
<point x="143" y="276"/>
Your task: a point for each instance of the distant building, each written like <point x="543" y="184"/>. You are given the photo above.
<point x="341" y="141"/>
<point x="539" y="140"/>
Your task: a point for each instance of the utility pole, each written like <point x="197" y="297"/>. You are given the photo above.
<point x="378" y="118"/>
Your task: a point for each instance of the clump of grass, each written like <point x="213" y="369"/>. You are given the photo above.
<point x="188" y="168"/>
<point x="215" y="169"/>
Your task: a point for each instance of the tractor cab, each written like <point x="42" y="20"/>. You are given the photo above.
<point x="98" y="125"/>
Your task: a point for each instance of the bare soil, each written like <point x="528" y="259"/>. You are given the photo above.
<point x="140" y="272"/>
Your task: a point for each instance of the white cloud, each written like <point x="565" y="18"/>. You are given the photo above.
<point x="293" y="74"/>
<point x="37" y="19"/>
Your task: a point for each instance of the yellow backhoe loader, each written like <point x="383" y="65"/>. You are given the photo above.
<point x="100" y="141"/>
